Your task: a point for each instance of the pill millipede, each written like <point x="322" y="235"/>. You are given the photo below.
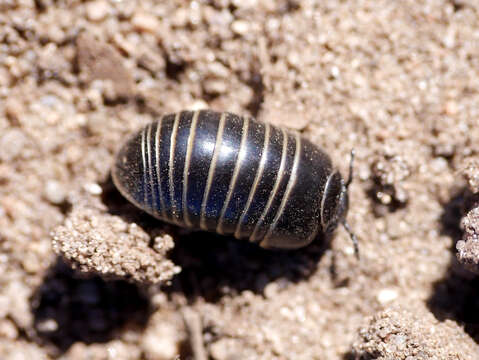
<point x="233" y="175"/>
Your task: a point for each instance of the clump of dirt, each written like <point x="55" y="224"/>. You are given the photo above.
<point x="468" y="246"/>
<point x="402" y="334"/>
<point x="97" y="242"/>
<point x="468" y="249"/>
<point x="389" y="174"/>
<point x="470" y="173"/>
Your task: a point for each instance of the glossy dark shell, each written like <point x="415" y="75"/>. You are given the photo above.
<point x="231" y="175"/>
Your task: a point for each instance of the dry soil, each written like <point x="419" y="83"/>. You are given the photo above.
<point x="85" y="275"/>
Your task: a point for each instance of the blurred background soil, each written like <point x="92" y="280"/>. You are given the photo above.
<point x="85" y="275"/>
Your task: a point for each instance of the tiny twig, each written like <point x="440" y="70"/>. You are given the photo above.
<point x="195" y="331"/>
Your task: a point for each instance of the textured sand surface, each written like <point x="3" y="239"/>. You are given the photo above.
<point x="398" y="81"/>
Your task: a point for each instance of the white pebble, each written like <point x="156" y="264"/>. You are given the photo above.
<point x="245" y="3"/>
<point x="8" y="330"/>
<point x="385" y="296"/>
<point x="97" y="10"/>
<point x="198" y="105"/>
<point x="145" y="22"/>
<point x="240" y="27"/>
<point x="54" y="192"/>
<point x="335" y="72"/>
<point x="13" y="143"/>
<point x="47" y="325"/>
<point x="93" y="188"/>
<point x="349" y="250"/>
<point x="160" y="342"/>
<point x="449" y="39"/>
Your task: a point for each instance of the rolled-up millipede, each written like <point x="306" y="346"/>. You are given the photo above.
<point x="232" y="175"/>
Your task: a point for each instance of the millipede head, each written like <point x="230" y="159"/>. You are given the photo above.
<point x="335" y="204"/>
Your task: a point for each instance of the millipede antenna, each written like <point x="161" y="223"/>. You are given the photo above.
<point x="351" y="169"/>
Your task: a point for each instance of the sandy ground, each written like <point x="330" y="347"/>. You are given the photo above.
<point x="396" y="80"/>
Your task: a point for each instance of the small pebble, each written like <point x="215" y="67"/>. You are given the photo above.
<point x="54" y="192"/>
<point x="335" y="72"/>
<point x="13" y="109"/>
<point x="349" y="250"/>
<point x="240" y="27"/>
<point x="271" y="290"/>
<point x="32" y="263"/>
<point x="47" y="325"/>
<point x="225" y="349"/>
<point x="245" y="3"/>
<point x="4" y="306"/>
<point x="160" y="342"/>
<point x="13" y="143"/>
<point x="8" y="330"/>
<point x="385" y="296"/>
<point x="97" y="10"/>
<point x="449" y="39"/>
<point x="145" y="22"/>
<point x="451" y="108"/>
<point x="213" y="86"/>
<point x="198" y="105"/>
<point x="93" y="188"/>
<point x="218" y="69"/>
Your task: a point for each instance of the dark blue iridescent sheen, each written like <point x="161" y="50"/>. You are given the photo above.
<point x="224" y="173"/>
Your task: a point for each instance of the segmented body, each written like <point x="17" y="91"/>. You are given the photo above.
<point x="231" y="175"/>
